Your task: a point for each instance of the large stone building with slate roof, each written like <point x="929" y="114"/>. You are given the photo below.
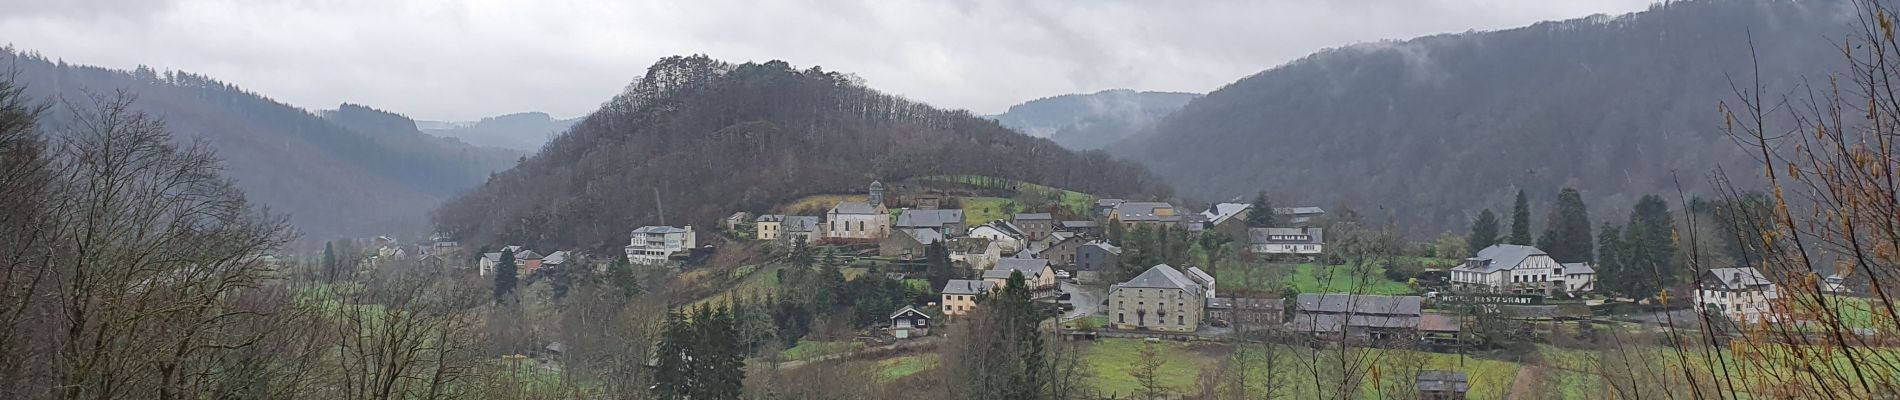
<point x="860" y="220"/>
<point x="1160" y="299"/>
<point x="1509" y="268"/>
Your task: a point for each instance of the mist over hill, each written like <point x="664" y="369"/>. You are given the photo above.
<point x="1431" y="130"/>
<point x="354" y="172"/>
<point x="707" y="138"/>
<point x="525" y="131"/>
<point x="1093" y="120"/>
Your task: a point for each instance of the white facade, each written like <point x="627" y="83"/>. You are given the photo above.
<point x="1742" y="294"/>
<point x="657" y="244"/>
<point x="1284" y="241"/>
<point x="1002" y="234"/>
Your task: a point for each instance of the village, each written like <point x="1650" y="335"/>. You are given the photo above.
<point x="1082" y="259"/>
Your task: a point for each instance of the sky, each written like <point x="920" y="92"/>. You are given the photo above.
<point x="464" y="60"/>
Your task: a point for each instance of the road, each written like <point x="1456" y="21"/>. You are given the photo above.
<point x="1087" y="302"/>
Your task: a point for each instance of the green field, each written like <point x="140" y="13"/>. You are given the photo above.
<point x="891" y="369"/>
<point x="1310" y="278"/>
<point x="813" y="348"/>
<point x="1111" y="360"/>
<point x="1075" y="201"/>
<point x="981" y="210"/>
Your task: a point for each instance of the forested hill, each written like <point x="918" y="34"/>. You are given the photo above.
<point x="711" y="138"/>
<point x="1095" y="120"/>
<point x="332" y="179"/>
<point x="520" y="131"/>
<point x="1434" y="129"/>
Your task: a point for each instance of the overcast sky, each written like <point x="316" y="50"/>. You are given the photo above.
<point x="463" y="60"/>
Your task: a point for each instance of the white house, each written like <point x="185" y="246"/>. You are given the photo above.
<point x="865" y="220"/>
<point x="1743" y="294"/>
<point x="1510" y="268"/>
<point x="1002" y="233"/>
<point x="1579" y="278"/>
<point x="1036" y="272"/>
<point x="657" y="244"/>
<point x="1286" y="241"/>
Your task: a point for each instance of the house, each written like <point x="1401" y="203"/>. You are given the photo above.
<point x="908" y="323"/>
<point x="1509" y="268"/>
<point x="1297" y="216"/>
<point x="974" y="252"/>
<point x="1084" y="228"/>
<point x="1355" y="317"/>
<point x="735" y="220"/>
<point x="945" y="222"/>
<point x="908" y="244"/>
<point x="1002" y="233"/>
<point x="960" y="295"/>
<point x="1192" y="222"/>
<point x="1442" y="385"/>
<point x="1094" y="258"/>
<point x="527" y="261"/>
<point x="1579" y="278"/>
<point x="441" y="245"/>
<point x="1149" y="213"/>
<point x="1161" y="299"/>
<point x="1059" y="248"/>
<point x="1286" y="241"/>
<point x="768" y="226"/>
<point x="556" y="259"/>
<point x="1202" y="277"/>
<point x="1835" y="283"/>
<point x="1743" y="294"/>
<point x="855" y="220"/>
<point x="1036" y="226"/>
<point x="800" y="228"/>
<point x="1105" y="207"/>
<point x="659" y="244"/>
<point x="1037" y="272"/>
<point x="1246" y="314"/>
<point x="1228" y="218"/>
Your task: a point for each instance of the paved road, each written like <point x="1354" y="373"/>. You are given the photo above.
<point x="1087" y="302"/>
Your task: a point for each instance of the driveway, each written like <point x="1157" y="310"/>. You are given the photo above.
<point x="1087" y="302"/>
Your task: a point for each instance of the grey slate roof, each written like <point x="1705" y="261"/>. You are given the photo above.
<point x="769" y="218"/>
<point x="1442" y="381"/>
<point x="555" y="258"/>
<point x="1030" y="267"/>
<point x="799" y="223"/>
<point x="1199" y="276"/>
<point x="853" y="207"/>
<point x="1105" y="246"/>
<point x="924" y="235"/>
<point x="1342" y="303"/>
<point x="1109" y="202"/>
<point x="650" y="229"/>
<point x="1144" y="211"/>
<point x="1162" y="276"/>
<point x="1579" y="269"/>
<point x="966" y="286"/>
<point x="1004" y="226"/>
<point x="1079" y="224"/>
<point x="1498" y="257"/>
<point x="907" y="309"/>
<point x="1219" y="213"/>
<point x="1333" y="322"/>
<point x="928" y="218"/>
<point x="1739" y="277"/>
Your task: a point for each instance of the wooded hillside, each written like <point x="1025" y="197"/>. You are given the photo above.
<point x="707" y="138"/>
<point x="362" y="172"/>
<point x="1431" y="130"/>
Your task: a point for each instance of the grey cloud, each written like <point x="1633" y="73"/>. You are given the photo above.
<point x="465" y="60"/>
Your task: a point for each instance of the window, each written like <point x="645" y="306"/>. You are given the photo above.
<point x="1121" y="318"/>
<point x="1180" y="320"/>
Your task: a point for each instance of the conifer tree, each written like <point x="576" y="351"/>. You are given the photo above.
<point x="1566" y="236"/>
<point x="1260" y="213"/>
<point x="1484" y="231"/>
<point x="1521" y="221"/>
<point x="505" y="275"/>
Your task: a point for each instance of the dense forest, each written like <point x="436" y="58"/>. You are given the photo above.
<point x="1095" y="120"/>
<point x="706" y="138"/>
<point x="359" y="172"/>
<point x="1431" y="130"/>
<point x="519" y="131"/>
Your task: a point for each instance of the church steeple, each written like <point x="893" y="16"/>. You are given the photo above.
<point x="877" y="194"/>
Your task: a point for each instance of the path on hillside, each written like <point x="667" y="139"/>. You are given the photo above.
<point x="1522" y="384"/>
<point x="926" y="341"/>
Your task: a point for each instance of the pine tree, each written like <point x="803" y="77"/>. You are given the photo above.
<point x="937" y="266"/>
<point x="1521" y="221"/>
<point x="1116" y="233"/>
<point x="1566" y="236"/>
<point x="1649" y="240"/>
<point x="1484" y="231"/>
<point x="1610" y="255"/>
<point x="1020" y="319"/>
<point x="505" y="275"/>
<point x="329" y="262"/>
<point x="672" y="373"/>
<point x="1260" y="214"/>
